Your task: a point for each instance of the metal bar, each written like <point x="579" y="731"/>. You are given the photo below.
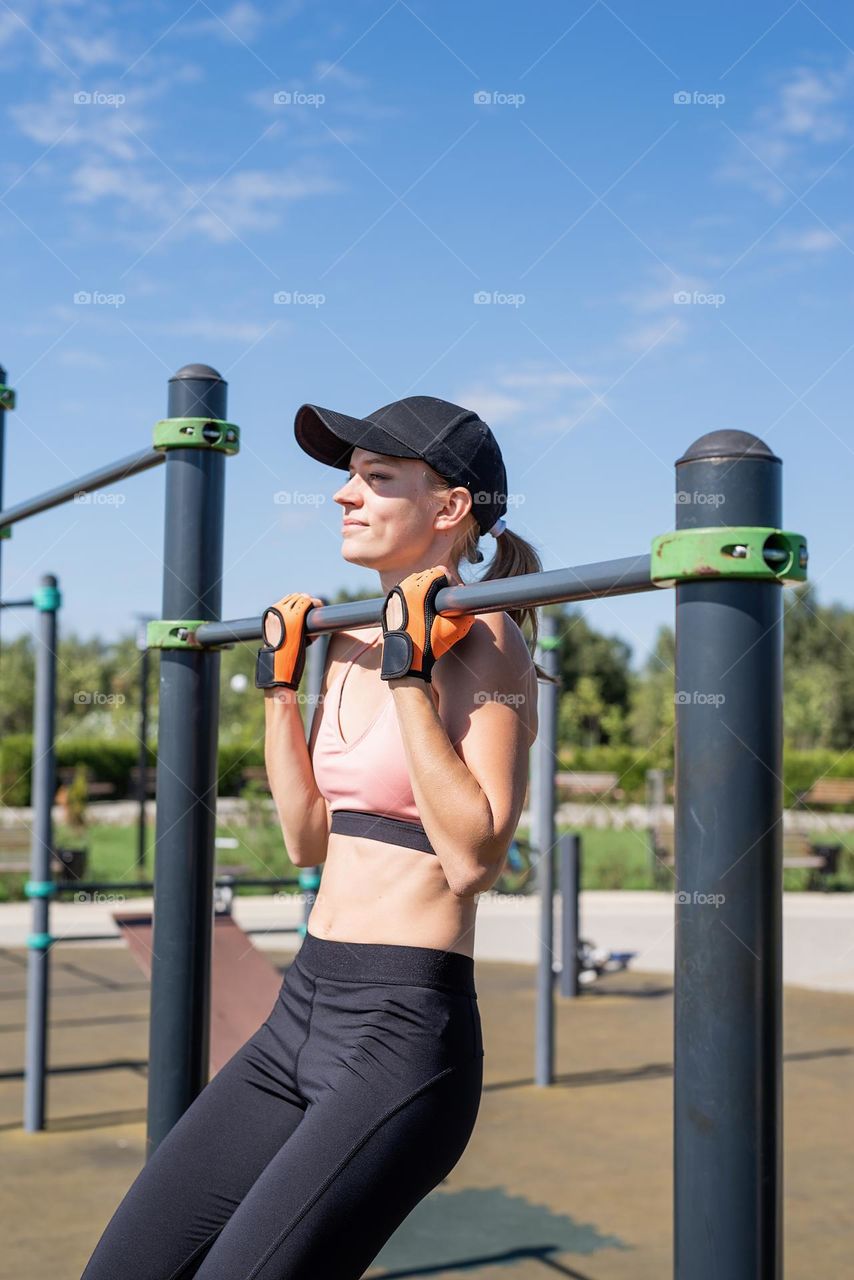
<point x="142" y="762"/>
<point x="129" y="466"/>
<point x="570" y="886"/>
<point x="184" y="863"/>
<point x="2" y="468"/>
<point x="623" y="577"/>
<point x="110" y="886"/>
<point x="728" y="981"/>
<point x="544" y="801"/>
<point x="16" y="604"/>
<point x="43" y="789"/>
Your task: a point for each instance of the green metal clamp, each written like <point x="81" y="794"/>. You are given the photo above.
<point x="198" y="433"/>
<point x="48" y="599"/>
<point x="162" y="633"/>
<point x="740" y="551"/>
<point x="40" y="889"/>
<point x="7" y="397"/>
<point x="175" y="634"/>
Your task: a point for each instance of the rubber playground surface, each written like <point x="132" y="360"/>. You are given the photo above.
<point x="573" y="1180"/>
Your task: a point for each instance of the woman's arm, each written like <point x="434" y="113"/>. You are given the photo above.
<point x="302" y="809"/>
<point x="469" y="774"/>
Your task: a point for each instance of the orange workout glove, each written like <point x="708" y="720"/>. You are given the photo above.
<point x="281" y="660"/>
<point x="412" y="647"/>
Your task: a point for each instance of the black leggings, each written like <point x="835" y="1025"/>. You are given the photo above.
<point x="306" y="1151"/>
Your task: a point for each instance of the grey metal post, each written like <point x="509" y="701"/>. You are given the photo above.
<point x="47" y="601"/>
<point x="728" y="982"/>
<point x="544" y="804"/>
<point x="142" y="789"/>
<point x="570" y="887"/>
<point x="2" y="457"/>
<point x="309" y="877"/>
<point x="186" y="766"/>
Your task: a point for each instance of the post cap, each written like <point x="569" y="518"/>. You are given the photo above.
<point x="197" y="371"/>
<point x="728" y="444"/>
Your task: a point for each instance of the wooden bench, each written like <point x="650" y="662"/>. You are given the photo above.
<point x="150" y="780"/>
<point x="571" y="783"/>
<point x="17" y="841"/>
<point x="94" y="790"/>
<point x="799" y="851"/>
<point x="14" y="840"/>
<point x="255" y="773"/>
<point x="829" y="791"/>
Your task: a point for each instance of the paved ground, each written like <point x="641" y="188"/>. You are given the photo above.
<point x="571" y="1181"/>
<point x="818" y="928"/>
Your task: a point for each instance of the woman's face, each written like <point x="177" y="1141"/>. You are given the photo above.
<point x="390" y="516"/>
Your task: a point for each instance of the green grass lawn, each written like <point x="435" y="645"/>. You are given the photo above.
<point x="611" y="859"/>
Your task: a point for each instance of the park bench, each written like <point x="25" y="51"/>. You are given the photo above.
<point x="255" y="773"/>
<point x="94" y="790"/>
<point x="799" y="851"/>
<point x="68" y="864"/>
<point x="150" y="780"/>
<point x="570" y="783"/>
<point x="14" y="849"/>
<point x="829" y="791"/>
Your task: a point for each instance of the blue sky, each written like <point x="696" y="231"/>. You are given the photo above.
<point x="586" y="166"/>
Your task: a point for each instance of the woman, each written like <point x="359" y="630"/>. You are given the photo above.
<point x="360" y="1091"/>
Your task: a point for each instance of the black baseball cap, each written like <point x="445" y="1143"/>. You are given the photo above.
<point x="454" y="441"/>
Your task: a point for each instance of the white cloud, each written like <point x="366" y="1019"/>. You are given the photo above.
<point x="489" y="403"/>
<point x="817" y="240"/>
<point x="810" y="110"/>
<point x="242" y="21"/>
<point x="90" y="51"/>
<point x="659" y="333"/>
<point x="210" y="327"/>
<point x="75" y="358"/>
<point x="553" y="398"/>
<point x="335" y="71"/>
<point x="98" y="180"/>
<point x="254" y="200"/>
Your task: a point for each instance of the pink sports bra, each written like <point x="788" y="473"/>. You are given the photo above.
<point x="366" y="781"/>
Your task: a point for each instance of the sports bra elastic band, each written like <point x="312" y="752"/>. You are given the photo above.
<point x="376" y="826"/>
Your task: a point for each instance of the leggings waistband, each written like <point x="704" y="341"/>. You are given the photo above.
<point x="387" y="963"/>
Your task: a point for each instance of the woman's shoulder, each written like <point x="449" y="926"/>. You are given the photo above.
<point x="494" y="648"/>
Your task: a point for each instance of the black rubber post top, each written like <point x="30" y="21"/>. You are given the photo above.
<point x="728" y="444"/>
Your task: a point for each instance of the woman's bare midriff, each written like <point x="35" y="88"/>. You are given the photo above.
<point x="371" y="891"/>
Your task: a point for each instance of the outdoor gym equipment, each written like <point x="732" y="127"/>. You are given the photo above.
<point x="727" y="560"/>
